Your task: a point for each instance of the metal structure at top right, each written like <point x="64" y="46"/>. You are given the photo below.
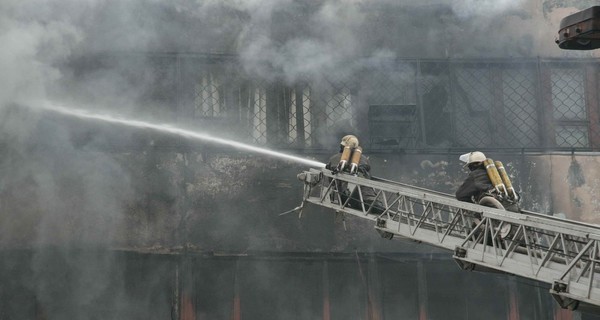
<point x="580" y="31"/>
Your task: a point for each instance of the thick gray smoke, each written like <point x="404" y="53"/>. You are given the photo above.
<point x="277" y="36"/>
<point x="489" y="8"/>
<point x="56" y="191"/>
<point x="51" y="49"/>
<point x="273" y="38"/>
<point x="53" y="193"/>
<point x="46" y="46"/>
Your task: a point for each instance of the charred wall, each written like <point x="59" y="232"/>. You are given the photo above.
<point x="261" y="286"/>
<point x="437" y="78"/>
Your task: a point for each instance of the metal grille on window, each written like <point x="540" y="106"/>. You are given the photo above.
<point x="339" y="106"/>
<point x="519" y="105"/>
<point x="258" y="105"/>
<point x="393" y="115"/>
<point x="569" y="109"/>
<point x="457" y="104"/>
<point x="473" y="97"/>
<point x="299" y="122"/>
<point x="436" y="105"/>
<point x="207" y="93"/>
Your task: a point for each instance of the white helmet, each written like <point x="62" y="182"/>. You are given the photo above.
<point x="349" y="141"/>
<point x="472" y="157"/>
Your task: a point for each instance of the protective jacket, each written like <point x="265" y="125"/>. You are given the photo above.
<point x="476" y="184"/>
<point x="368" y="193"/>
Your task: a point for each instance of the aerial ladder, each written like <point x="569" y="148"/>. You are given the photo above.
<point x="559" y="252"/>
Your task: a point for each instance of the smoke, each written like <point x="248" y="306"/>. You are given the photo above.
<point x="487" y="8"/>
<point x="302" y="40"/>
<point x="62" y="50"/>
<point x="277" y="38"/>
<point x="283" y="38"/>
<point x="57" y="190"/>
<point x="51" y="192"/>
<point x="32" y="45"/>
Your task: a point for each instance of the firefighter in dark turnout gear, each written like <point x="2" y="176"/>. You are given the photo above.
<point x="364" y="167"/>
<point x="478" y="182"/>
<point x="476" y="185"/>
<point x="363" y="170"/>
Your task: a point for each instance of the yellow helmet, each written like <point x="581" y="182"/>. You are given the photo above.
<point x="349" y="141"/>
<point x="472" y="157"/>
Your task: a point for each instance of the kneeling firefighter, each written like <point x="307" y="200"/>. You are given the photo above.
<point x="488" y="184"/>
<point x="486" y="178"/>
<point x="350" y="160"/>
<point x="478" y="181"/>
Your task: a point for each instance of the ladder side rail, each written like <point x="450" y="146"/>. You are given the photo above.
<point x="380" y="193"/>
<point x="549" y="217"/>
<point x="357" y="188"/>
<point x="324" y="192"/>
<point x="507" y="217"/>
<point x="542" y="248"/>
<point x="546" y="222"/>
<point x="392" y="204"/>
<point x="409" y="215"/>
<point x="451" y="226"/>
<point x="565" y="249"/>
<point x="544" y="274"/>
<point x="513" y="244"/>
<point x="439" y="221"/>
<point x="548" y="254"/>
<point x="563" y="226"/>
<point x="592" y="269"/>
<point x="389" y="206"/>
<point x="535" y="249"/>
<point x="424" y="214"/>
<point x="582" y="262"/>
<point x="483" y="213"/>
<point x="581" y="275"/>
<point x="576" y="260"/>
<point x="528" y="247"/>
<point x="404" y="213"/>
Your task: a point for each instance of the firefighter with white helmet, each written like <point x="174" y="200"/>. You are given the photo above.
<point x="478" y="182"/>
<point x="486" y="186"/>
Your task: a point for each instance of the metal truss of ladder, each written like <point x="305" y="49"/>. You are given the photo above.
<point x="559" y="252"/>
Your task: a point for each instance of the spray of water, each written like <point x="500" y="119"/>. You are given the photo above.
<point x="177" y="131"/>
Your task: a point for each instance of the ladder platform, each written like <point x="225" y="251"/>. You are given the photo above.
<point x="559" y="252"/>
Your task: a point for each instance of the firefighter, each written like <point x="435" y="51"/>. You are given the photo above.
<point x="351" y="142"/>
<point x="476" y="185"/>
<point x="363" y="170"/>
<point x="478" y="182"/>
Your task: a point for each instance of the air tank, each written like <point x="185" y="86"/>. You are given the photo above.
<point x="344" y="158"/>
<point x="355" y="159"/>
<point x="495" y="178"/>
<point x="506" y="180"/>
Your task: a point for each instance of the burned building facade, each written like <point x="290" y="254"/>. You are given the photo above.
<point x="102" y="220"/>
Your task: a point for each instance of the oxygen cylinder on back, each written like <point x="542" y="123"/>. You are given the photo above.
<point x="506" y="180"/>
<point x="495" y="178"/>
<point x="344" y="158"/>
<point x="355" y="160"/>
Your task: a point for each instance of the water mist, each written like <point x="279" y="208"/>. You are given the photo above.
<point x="168" y="128"/>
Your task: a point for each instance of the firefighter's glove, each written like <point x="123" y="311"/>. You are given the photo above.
<point x="517" y="197"/>
<point x="363" y="169"/>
